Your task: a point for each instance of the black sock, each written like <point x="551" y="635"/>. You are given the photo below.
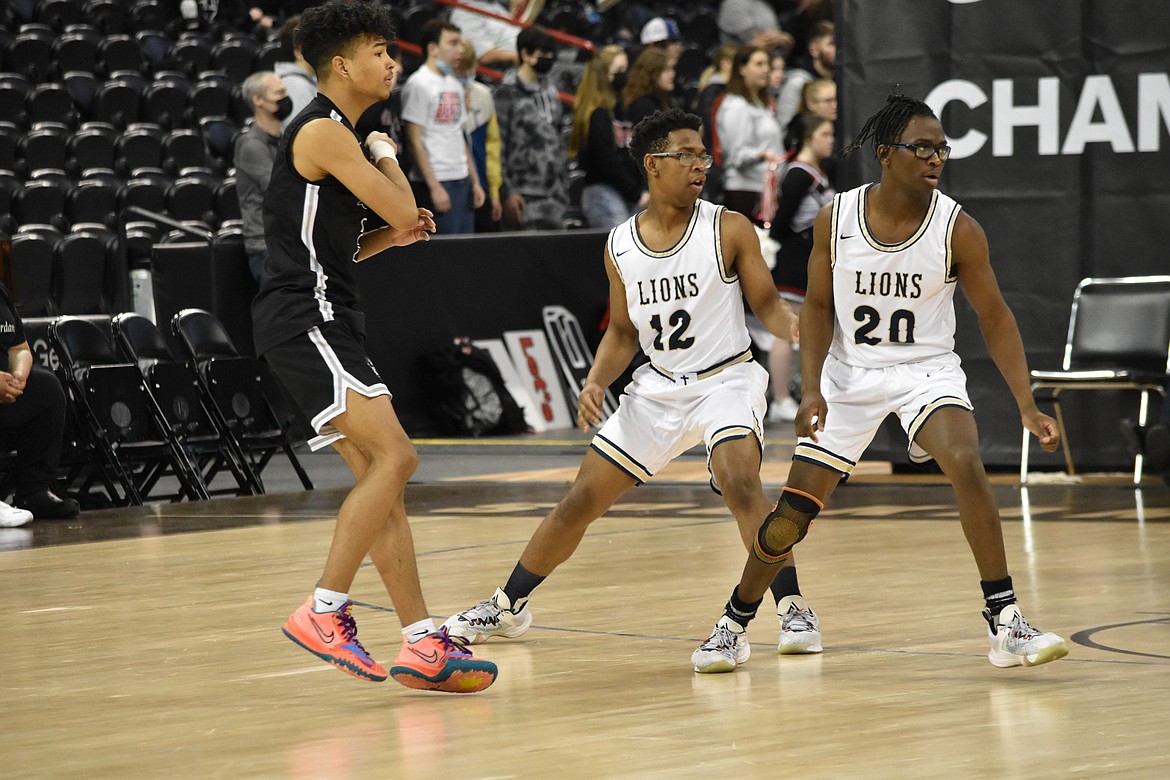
<point x="521" y="584"/>
<point x="785" y="583"/>
<point x="998" y="595"/>
<point x="740" y="611"/>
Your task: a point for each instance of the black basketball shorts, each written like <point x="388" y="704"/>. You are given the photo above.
<point x="317" y="367"/>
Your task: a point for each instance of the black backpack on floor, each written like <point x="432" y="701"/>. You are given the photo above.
<point x="466" y="392"/>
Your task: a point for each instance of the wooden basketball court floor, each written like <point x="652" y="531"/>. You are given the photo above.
<point x="146" y="642"/>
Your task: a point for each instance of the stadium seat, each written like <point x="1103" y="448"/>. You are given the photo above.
<point x="134" y="78"/>
<point x="142" y="193"/>
<point x="220" y="135"/>
<point x="267" y="56"/>
<point x="117" y="102"/>
<point x="93" y="147"/>
<point x="234" y="57"/>
<point x="140" y="146"/>
<point x="156" y="48"/>
<point x="80" y="278"/>
<point x="58" y="13"/>
<point x="14" y="87"/>
<point x="209" y="98"/>
<point x="82" y="86"/>
<point x="164" y="104"/>
<point x="184" y="149"/>
<point x="76" y="51"/>
<point x="31" y="55"/>
<point x="120" y="52"/>
<point x="50" y="103"/>
<point x="191" y="55"/>
<point x="227" y="201"/>
<point x="148" y="15"/>
<point x="31" y="262"/>
<point x="191" y="198"/>
<point x="23" y="10"/>
<point x="41" y="202"/>
<point x="45" y="146"/>
<point x="108" y="16"/>
<point x="93" y="202"/>
<point x="8" y="144"/>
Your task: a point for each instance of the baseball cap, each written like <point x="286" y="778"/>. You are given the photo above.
<point x="659" y="29"/>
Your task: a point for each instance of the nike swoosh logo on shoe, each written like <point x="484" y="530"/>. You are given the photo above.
<point x="429" y="658"/>
<point x="324" y="638"/>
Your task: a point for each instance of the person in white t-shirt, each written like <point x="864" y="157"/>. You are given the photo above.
<point x="433" y="109"/>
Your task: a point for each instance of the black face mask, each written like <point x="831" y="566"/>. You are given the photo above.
<point x="619" y="81"/>
<point x="283" y="108"/>
<point x="543" y="65"/>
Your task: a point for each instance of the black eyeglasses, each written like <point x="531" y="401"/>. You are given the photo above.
<point x="926" y="151"/>
<point x="689" y="158"/>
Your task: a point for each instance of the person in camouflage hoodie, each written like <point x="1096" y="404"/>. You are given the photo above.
<point x="535" y="162"/>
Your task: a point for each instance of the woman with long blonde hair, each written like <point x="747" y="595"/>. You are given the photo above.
<point x="600" y="140"/>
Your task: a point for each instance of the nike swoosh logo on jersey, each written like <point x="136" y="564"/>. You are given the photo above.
<point x="852" y="236"/>
<point x="324" y="638"/>
<point x="619" y="254"/>
<point x="430" y="658"/>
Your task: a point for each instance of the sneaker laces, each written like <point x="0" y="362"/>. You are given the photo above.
<point x="347" y="623"/>
<point x="1020" y="629"/>
<point x="452" y="644"/>
<point x="723" y="638"/>
<point x="796" y="619"/>
<point x="485" y="613"/>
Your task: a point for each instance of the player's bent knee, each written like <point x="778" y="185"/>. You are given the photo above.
<point x="785" y="525"/>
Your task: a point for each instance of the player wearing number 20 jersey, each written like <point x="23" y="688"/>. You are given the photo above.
<point x="894" y="302"/>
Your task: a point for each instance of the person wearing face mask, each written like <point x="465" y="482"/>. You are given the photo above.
<point x="297" y="74"/>
<point x="444" y="176"/>
<point x="536" y="185"/>
<point x="255" y="151"/>
<point x="600" y="142"/>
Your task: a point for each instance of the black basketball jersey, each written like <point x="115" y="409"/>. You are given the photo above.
<point x="312" y="230"/>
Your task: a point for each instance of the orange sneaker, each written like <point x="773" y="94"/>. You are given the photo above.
<point x="332" y="636"/>
<point x="441" y="662"/>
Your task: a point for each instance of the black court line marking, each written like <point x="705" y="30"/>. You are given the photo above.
<point x="833" y="648"/>
<point x="1085" y="637"/>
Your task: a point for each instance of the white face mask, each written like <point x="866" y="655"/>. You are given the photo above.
<point x="444" y="68"/>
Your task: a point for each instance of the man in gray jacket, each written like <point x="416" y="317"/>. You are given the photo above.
<point x="255" y="152"/>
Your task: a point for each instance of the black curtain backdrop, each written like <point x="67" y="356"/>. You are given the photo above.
<point x="1059" y="113"/>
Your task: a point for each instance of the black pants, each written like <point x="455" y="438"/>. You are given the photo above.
<point x="33" y="425"/>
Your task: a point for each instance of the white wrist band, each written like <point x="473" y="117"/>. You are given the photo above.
<point x="382" y="150"/>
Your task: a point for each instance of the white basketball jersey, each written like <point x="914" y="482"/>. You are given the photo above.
<point x="685" y="303"/>
<point x="894" y="303"/>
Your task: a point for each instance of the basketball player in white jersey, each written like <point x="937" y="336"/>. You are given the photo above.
<point x="678" y="274"/>
<point x="877" y="337"/>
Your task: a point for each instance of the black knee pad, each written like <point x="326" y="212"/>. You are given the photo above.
<point x="785" y="525"/>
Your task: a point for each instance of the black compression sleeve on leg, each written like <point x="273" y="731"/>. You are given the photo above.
<point x="785" y="525"/>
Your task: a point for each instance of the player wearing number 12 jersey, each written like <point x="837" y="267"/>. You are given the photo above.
<point x="877" y="338"/>
<point x="678" y="274"/>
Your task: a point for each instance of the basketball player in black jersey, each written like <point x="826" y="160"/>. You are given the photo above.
<point x="310" y="331"/>
<point x="907" y="367"/>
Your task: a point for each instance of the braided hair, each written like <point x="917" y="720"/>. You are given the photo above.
<point x="887" y="124"/>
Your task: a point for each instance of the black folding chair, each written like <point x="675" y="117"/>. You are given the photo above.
<point x="175" y="386"/>
<point x="1118" y="339"/>
<point x="241" y="391"/>
<point x="127" y="437"/>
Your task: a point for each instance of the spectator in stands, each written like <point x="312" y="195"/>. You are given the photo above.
<point x="818" y="61"/>
<point x="445" y="178"/>
<point x="800" y="20"/>
<point x="493" y="40"/>
<point x="32" y="421"/>
<point x="804" y="189"/>
<point x="712" y="89"/>
<point x="536" y="186"/>
<point x="751" y="23"/>
<point x="749" y="135"/>
<point x="483" y="130"/>
<point x="662" y="33"/>
<point x="776" y="75"/>
<point x="649" y="85"/>
<point x="299" y="78"/>
<point x="221" y="16"/>
<point x="600" y="143"/>
<point x="819" y="97"/>
<point x="254" y="154"/>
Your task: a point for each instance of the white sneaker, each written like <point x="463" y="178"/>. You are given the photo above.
<point x="800" y="628"/>
<point x="11" y="517"/>
<point x="783" y="411"/>
<point x="494" y="617"/>
<point x="1015" y="643"/>
<point x="725" y="649"/>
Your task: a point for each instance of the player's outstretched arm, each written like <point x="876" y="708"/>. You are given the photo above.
<point x="816" y="328"/>
<point x="618" y="347"/>
<point x="741" y="252"/>
<point x="976" y="277"/>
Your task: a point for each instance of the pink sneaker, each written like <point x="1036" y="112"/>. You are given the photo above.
<point x="332" y="637"/>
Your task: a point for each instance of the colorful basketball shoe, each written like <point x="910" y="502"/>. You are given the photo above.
<point x="1015" y="643"/>
<point x="332" y="637"/>
<point x="800" y="628"/>
<point x="725" y="649"/>
<point x="494" y="617"/>
<point x="441" y="662"/>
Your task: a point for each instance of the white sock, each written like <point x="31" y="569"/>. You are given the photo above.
<point x="416" y="631"/>
<point x="328" y="600"/>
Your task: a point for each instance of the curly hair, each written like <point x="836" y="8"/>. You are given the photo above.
<point x="888" y="122"/>
<point x="331" y="29"/>
<point x="652" y="134"/>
